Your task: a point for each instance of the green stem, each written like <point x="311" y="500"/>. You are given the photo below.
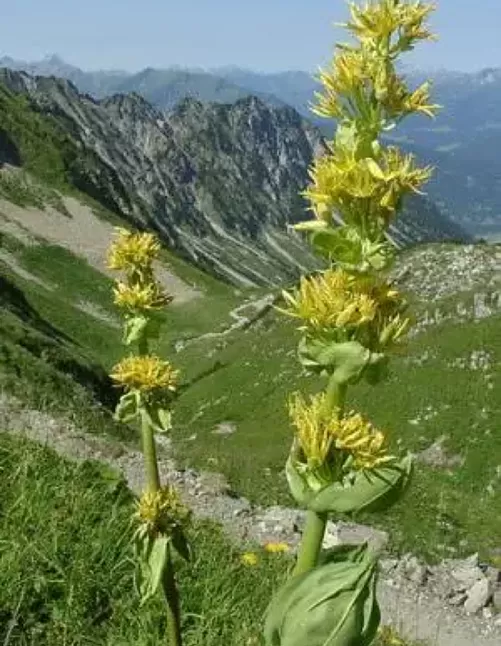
<point x="311" y="542"/>
<point x="143" y="346"/>
<point x="150" y="455"/>
<point x="314" y="531"/>
<point x="172" y="598"/>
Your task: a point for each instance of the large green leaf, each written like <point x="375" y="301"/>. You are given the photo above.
<point x="370" y="490"/>
<point x="152" y="554"/>
<point x="332" y="605"/>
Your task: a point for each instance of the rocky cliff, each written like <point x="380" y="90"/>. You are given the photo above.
<point x="220" y="183"/>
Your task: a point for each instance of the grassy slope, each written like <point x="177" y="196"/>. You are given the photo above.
<point x="446" y="510"/>
<point x="66" y="570"/>
<point x="245" y="377"/>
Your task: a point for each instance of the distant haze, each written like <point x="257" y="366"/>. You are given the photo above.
<point x="265" y="35"/>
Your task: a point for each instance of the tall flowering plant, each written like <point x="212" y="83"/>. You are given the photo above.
<point x="351" y="318"/>
<point x="149" y="384"/>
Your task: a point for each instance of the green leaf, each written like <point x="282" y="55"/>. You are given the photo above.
<point x="153" y="556"/>
<point x="298" y="484"/>
<point x="332" y="605"/>
<point x="181" y="545"/>
<point x="335" y="244"/>
<point x="127" y="408"/>
<point x="134" y="329"/>
<point x="310" y="225"/>
<point x="345" y="361"/>
<point x="158" y="417"/>
<point x="370" y="490"/>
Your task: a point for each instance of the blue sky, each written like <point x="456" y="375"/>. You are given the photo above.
<point x="266" y="35"/>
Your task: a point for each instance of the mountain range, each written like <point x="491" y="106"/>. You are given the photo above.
<point x="463" y="141"/>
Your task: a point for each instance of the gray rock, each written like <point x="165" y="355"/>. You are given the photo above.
<point x="212" y="483"/>
<point x="466" y="572"/>
<point x="478" y="596"/>
<point x="436" y="455"/>
<point x="343" y="533"/>
<point x="411" y="570"/>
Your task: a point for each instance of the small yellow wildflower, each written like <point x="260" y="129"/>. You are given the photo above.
<point x="161" y="511"/>
<point x="145" y="373"/>
<point x="139" y="297"/>
<point x="249" y="558"/>
<point x="132" y="251"/>
<point x="276" y="548"/>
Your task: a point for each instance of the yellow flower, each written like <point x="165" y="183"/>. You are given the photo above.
<point x="145" y="373"/>
<point x="312" y="422"/>
<point x="353" y="186"/>
<point x="276" y="548"/>
<point x="132" y="251"/>
<point x="249" y="558"/>
<point x="139" y="297"/>
<point x="366" y="307"/>
<point x="321" y="433"/>
<point x="161" y="511"/>
<point x="330" y="300"/>
<point x="361" y="440"/>
<point x="378" y="21"/>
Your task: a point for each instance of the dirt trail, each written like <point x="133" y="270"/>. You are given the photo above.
<point x="414" y="615"/>
<point x="83" y="233"/>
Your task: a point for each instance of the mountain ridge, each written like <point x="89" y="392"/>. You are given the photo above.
<point x="218" y="182"/>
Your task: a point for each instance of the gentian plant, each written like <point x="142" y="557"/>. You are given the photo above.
<point x="149" y="384"/>
<point x="351" y="318"/>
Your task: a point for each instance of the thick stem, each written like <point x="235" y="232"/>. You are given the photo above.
<point x="150" y="455"/>
<point x="172" y="598"/>
<point x="311" y="542"/>
<point x="314" y="531"/>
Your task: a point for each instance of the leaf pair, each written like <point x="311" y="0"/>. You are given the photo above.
<point x="347" y="362"/>
<point x="332" y="605"/>
<point x="132" y="405"/>
<point x="350" y="250"/>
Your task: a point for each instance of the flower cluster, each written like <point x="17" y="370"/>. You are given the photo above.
<point x="132" y="250"/>
<point x="356" y="306"/>
<point x="134" y="254"/>
<point x="161" y="512"/>
<point x="146" y="373"/>
<point x="140" y="297"/>
<point x="325" y="436"/>
<point x="362" y="188"/>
